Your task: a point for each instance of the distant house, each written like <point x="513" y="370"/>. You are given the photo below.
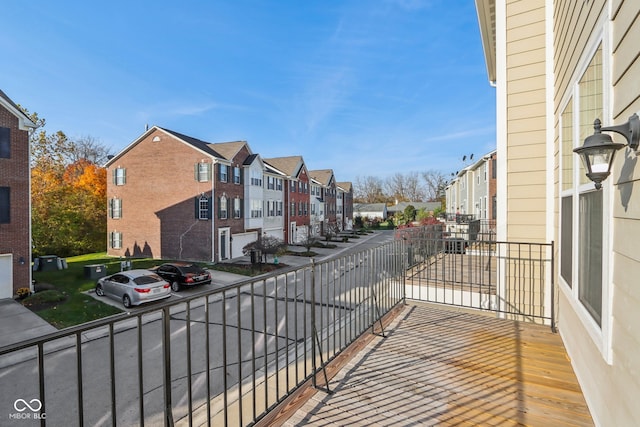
<point x="472" y="192"/>
<point x="370" y="211"/>
<point x="401" y="206"/>
<point x="345" y="195"/>
<point x="185" y="203"/>
<point x="317" y="207"/>
<point x="327" y="184"/>
<point x="15" y="205"/>
<point x="296" y="195"/>
<point x="274" y="190"/>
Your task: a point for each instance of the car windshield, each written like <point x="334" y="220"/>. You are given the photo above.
<point x="191" y="268"/>
<point x="147" y="280"/>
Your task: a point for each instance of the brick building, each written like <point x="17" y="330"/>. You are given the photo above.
<point x="15" y="198"/>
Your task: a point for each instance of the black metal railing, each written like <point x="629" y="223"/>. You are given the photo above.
<point x="515" y="280"/>
<point x="223" y="357"/>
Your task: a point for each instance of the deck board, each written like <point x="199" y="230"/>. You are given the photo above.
<point x="439" y="366"/>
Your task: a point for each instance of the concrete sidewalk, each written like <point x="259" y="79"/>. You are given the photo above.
<point x="18" y="323"/>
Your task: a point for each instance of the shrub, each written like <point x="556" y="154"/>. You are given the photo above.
<point x="23" y="293"/>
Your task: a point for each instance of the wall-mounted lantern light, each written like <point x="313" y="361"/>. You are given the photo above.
<point x="598" y="150"/>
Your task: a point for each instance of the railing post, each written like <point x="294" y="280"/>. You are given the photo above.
<point x="166" y="346"/>
<point x="314" y="368"/>
<point x="553" y="290"/>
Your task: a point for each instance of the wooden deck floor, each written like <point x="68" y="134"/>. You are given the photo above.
<point x="444" y="367"/>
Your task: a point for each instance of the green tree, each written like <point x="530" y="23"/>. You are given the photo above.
<point x="410" y="213"/>
<point x="68" y="194"/>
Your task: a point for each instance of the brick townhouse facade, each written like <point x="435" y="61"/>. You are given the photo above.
<point x="173" y="196"/>
<point x="15" y="198"/>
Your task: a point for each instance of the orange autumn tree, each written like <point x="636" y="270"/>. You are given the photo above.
<point x="68" y="194"/>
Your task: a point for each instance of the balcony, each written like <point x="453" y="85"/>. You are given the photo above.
<point x="238" y="355"/>
<point x="439" y="366"/>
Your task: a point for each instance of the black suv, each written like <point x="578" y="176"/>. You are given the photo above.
<point x="180" y="274"/>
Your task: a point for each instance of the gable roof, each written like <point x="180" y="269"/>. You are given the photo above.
<point x="230" y="149"/>
<point x="25" y="122"/>
<point x="323" y="176"/>
<point x="203" y="146"/>
<point x="370" y="207"/>
<point x="345" y="186"/>
<point x="199" y="144"/>
<point x="290" y="165"/>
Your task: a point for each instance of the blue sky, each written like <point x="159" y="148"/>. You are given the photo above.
<point x="364" y="87"/>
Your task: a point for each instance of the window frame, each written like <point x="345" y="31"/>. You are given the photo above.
<point x="5" y="205"/>
<point x="119" y="176"/>
<point x="5" y="142"/>
<point x="600" y="332"/>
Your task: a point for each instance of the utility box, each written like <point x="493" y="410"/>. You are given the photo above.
<point x="95" y="271"/>
<point x="48" y="263"/>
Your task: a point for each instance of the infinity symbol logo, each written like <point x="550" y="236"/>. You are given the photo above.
<point x="37" y="405"/>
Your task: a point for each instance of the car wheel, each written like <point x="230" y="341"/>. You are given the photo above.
<point x="126" y="301"/>
<point x="99" y="291"/>
<point x="175" y="286"/>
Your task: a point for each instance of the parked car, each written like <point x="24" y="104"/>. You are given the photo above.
<point x="133" y="287"/>
<point x="183" y="274"/>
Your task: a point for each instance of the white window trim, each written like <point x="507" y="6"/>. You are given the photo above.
<point x="600" y="335"/>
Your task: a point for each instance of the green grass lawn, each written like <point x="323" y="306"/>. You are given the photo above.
<point x="76" y="307"/>
<point x="63" y="303"/>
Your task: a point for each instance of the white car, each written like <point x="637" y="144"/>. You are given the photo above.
<point x="133" y="287"/>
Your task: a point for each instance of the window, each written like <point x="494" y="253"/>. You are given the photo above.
<point x="115" y="240"/>
<point x="583" y="218"/>
<point x="237" y="208"/>
<point x="590" y="254"/>
<point x="203" y="207"/>
<point x="279" y="184"/>
<point x="202" y="172"/>
<point x="271" y="185"/>
<point x="256" y="208"/>
<point x="293" y="186"/>
<point x="223" y="212"/>
<point x="256" y="178"/>
<point x="119" y="176"/>
<point x="292" y="209"/>
<point x="236" y="175"/>
<point x="590" y="217"/>
<point x="279" y="211"/>
<point x="224" y="173"/>
<point x="5" y="205"/>
<point x="115" y="208"/>
<point x="5" y="143"/>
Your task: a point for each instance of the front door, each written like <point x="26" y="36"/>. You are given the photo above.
<point x="292" y="234"/>
<point x="223" y="244"/>
<point x="6" y="276"/>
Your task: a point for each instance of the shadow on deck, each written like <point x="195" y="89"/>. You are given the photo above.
<point x="442" y="366"/>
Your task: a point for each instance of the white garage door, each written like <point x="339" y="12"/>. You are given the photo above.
<point x="6" y="276"/>
<point x="278" y="233"/>
<point x="240" y="240"/>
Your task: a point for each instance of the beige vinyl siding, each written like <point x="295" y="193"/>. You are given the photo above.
<point x="626" y="221"/>
<point x="611" y="390"/>
<point x="526" y="141"/>
<point x="575" y="23"/>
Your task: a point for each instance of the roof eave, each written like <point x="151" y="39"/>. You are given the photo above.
<point x="486" y="20"/>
